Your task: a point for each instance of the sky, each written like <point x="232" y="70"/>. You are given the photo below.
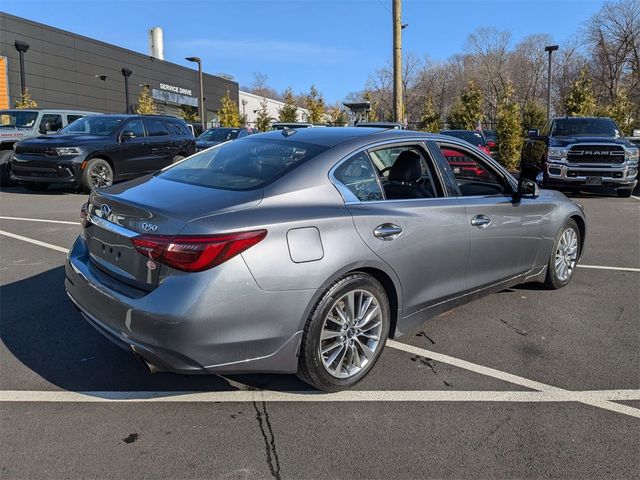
<point x="333" y="44"/>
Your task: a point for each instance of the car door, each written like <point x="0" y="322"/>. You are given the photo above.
<point x="505" y="234"/>
<point x="135" y="153"/>
<point x="424" y="240"/>
<point x="160" y="143"/>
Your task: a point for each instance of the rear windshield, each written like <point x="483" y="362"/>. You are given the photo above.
<point x="92" y="126"/>
<point x="242" y="165"/>
<point x="17" y="119"/>
<point x="474" y="138"/>
<point x="575" y="127"/>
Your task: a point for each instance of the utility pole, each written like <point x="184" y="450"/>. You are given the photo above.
<point x="550" y="49"/>
<point x="398" y="110"/>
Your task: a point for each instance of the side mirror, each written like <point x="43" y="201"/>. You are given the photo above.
<point x="127" y="135"/>
<point x="533" y="133"/>
<point x="527" y="189"/>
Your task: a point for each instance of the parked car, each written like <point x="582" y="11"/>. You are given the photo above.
<point x="387" y="125"/>
<point x="95" y="151"/>
<point x="581" y="153"/>
<point x="491" y="137"/>
<point x="214" y="136"/>
<point x="195" y="129"/>
<point x="474" y="137"/>
<point x="304" y="252"/>
<point x="17" y="124"/>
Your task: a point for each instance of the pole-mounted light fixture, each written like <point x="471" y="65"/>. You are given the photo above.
<point x="22" y="48"/>
<point x="201" y="99"/>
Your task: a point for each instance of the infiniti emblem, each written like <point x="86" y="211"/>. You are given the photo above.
<point x="148" y="227"/>
<point x="105" y="209"/>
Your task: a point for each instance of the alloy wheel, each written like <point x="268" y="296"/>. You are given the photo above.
<point x="350" y="334"/>
<point x="100" y="176"/>
<point x="566" y="254"/>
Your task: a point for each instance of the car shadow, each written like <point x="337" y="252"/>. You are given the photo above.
<point x="43" y="331"/>
<point x="52" y="190"/>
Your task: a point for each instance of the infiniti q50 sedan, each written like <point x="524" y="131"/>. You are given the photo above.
<point x="304" y="250"/>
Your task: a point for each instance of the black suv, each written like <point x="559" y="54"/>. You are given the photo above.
<point x="95" y="151"/>
<point x="581" y="153"/>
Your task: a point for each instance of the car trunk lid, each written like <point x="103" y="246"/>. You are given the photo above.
<point x="150" y="206"/>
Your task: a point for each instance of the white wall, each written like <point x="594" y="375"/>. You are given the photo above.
<point x="248" y="103"/>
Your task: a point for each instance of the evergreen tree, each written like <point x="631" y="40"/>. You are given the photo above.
<point x="263" y="120"/>
<point x="581" y="101"/>
<point x="145" y="105"/>
<point x="189" y="114"/>
<point x="244" y="120"/>
<point x="337" y="116"/>
<point x="314" y="102"/>
<point x="509" y="130"/>
<point x="533" y="116"/>
<point x="25" y="101"/>
<point x="289" y="111"/>
<point x="429" y="117"/>
<point x="228" y="115"/>
<point x="621" y="111"/>
<point x="466" y="112"/>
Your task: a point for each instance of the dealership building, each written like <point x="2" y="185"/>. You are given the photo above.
<point x="68" y="71"/>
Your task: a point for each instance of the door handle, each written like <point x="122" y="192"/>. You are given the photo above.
<point x="481" y="221"/>
<point x="387" y="231"/>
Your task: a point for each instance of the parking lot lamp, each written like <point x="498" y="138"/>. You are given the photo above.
<point x="126" y="73"/>
<point x="201" y="99"/>
<point x="22" y="47"/>
<point x="550" y="49"/>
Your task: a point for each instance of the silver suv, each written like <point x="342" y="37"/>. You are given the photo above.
<point x="16" y="125"/>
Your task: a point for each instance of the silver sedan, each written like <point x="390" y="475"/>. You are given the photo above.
<point x="304" y="250"/>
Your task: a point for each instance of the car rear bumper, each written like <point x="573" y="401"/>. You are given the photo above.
<point x="217" y="321"/>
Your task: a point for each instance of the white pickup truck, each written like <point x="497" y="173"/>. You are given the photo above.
<point x="16" y="125"/>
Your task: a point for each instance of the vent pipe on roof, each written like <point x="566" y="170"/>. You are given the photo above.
<point x="156" y="43"/>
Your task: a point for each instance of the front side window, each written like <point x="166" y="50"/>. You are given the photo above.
<point x="73" y="118"/>
<point x="359" y="176"/>
<point x="50" y="123"/>
<point x="245" y="165"/>
<point x="93" y="125"/>
<point x="134" y="126"/>
<point x="472" y="174"/>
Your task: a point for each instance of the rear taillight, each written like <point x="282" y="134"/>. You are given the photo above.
<point x="195" y="253"/>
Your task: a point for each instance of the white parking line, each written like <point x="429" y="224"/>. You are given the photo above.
<point x="633" y="196"/>
<point x="63" y="222"/>
<point x="315" y="396"/>
<point x="604" y="267"/>
<point x="515" y="379"/>
<point x="35" y="242"/>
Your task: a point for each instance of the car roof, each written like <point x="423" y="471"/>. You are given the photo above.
<point x="50" y="110"/>
<point x="332" y="136"/>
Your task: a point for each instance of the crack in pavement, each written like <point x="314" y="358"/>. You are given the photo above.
<point x="524" y="333"/>
<point x="269" y="439"/>
<point x="431" y="364"/>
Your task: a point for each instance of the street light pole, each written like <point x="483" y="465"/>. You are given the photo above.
<point x="201" y="99"/>
<point x="397" y="61"/>
<point x="550" y="49"/>
<point x="126" y="73"/>
<point x="22" y="47"/>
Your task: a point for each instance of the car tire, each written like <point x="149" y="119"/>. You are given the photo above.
<point x="176" y="159"/>
<point x="96" y="174"/>
<point x="357" y="348"/>
<point x="624" y="192"/>
<point x="36" y="186"/>
<point x="564" y="257"/>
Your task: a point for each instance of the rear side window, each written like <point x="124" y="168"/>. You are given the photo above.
<point x="242" y="165"/>
<point x="358" y="175"/>
<point x="156" y="127"/>
<point x="73" y="118"/>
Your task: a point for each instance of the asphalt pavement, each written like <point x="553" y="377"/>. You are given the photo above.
<point x="526" y="383"/>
